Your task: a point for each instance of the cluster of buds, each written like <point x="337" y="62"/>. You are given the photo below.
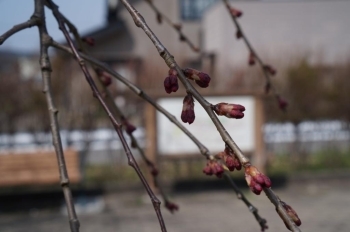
<point x="170" y="82"/>
<point x="213" y="168"/>
<point x="104" y="77"/>
<point x="239" y="34"/>
<point x="89" y="40"/>
<point x="187" y="115"/>
<point x="270" y="69"/>
<point x="229" y="110"/>
<point x="256" y="180"/>
<point x="202" y="79"/>
<point x="235" y="12"/>
<point x="129" y="128"/>
<point x="231" y="161"/>
<point x="292" y="214"/>
<point x="282" y="104"/>
<point x="251" y="60"/>
<point x="172" y="207"/>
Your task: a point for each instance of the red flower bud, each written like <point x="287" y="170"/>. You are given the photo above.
<point x="187" y="115"/>
<point x="270" y="70"/>
<point x="171" y="206"/>
<point x="239" y="34"/>
<point x="170" y="82"/>
<point x="202" y="79"/>
<point x="251" y="60"/>
<point x="235" y="12"/>
<point x="89" y="40"/>
<point x="282" y="104"/>
<point x="291" y="213"/>
<point x="129" y="128"/>
<point x="104" y="77"/>
<point x="229" y="110"/>
<point x="159" y="18"/>
<point x="213" y="168"/>
<point x="256" y="180"/>
<point x="154" y="171"/>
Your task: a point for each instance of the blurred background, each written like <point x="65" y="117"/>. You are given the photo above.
<point x="305" y="151"/>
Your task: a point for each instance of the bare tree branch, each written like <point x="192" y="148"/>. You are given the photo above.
<point x="170" y="61"/>
<point x="204" y="151"/>
<point x="117" y="126"/>
<point x="46" y="73"/>
<point x="177" y="27"/>
<point x="33" y="21"/>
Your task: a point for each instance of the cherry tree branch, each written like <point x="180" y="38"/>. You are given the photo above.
<point x="177" y="27"/>
<point x="203" y="150"/>
<point x="117" y="126"/>
<point x="253" y="55"/>
<point x="46" y="74"/>
<point x="171" y="63"/>
<point x="33" y="21"/>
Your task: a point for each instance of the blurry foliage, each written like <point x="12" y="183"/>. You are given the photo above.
<point x="314" y="92"/>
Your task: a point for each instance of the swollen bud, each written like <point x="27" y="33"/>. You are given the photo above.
<point x="129" y="128"/>
<point x="251" y="60"/>
<point x="270" y="70"/>
<point x="256" y="180"/>
<point x="187" y="115"/>
<point x="291" y="213"/>
<point x="239" y="34"/>
<point x="282" y="104"/>
<point x="104" y="77"/>
<point x="89" y="40"/>
<point x="202" y="79"/>
<point x="171" y="206"/>
<point x="170" y="82"/>
<point x="159" y="18"/>
<point x="229" y="110"/>
<point x="235" y="12"/>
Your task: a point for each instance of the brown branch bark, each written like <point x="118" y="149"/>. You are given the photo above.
<point x="177" y="27"/>
<point x="33" y="21"/>
<point x="170" y="61"/>
<point x="117" y="126"/>
<point x="203" y="150"/>
<point x="46" y="74"/>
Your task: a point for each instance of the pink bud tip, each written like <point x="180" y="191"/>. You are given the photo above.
<point x="187" y="114"/>
<point x="229" y="110"/>
<point x="235" y="12"/>
<point x="202" y="79"/>
<point x="170" y="82"/>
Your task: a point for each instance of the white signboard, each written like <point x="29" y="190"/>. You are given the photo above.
<point x="172" y="140"/>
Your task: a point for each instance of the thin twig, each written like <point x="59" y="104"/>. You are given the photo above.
<point x="33" y="21"/>
<point x="46" y="74"/>
<point x="177" y="27"/>
<point x="117" y="126"/>
<point x="203" y="150"/>
<point x="170" y="61"/>
<point x="262" y="222"/>
<point x="268" y="84"/>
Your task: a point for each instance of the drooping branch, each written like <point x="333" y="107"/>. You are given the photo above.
<point x="117" y="126"/>
<point x="203" y="150"/>
<point x="170" y="61"/>
<point x="46" y="74"/>
<point x="177" y="26"/>
<point x="33" y="21"/>
<point x="253" y="56"/>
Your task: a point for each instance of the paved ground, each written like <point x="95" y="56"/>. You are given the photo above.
<point x="322" y="207"/>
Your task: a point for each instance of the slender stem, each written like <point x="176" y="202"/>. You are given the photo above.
<point x="33" y="21"/>
<point x="177" y="27"/>
<point x="46" y="74"/>
<point x="170" y="61"/>
<point x="204" y="151"/>
<point x="262" y="222"/>
<point x="117" y="126"/>
<point x="251" y="49"/>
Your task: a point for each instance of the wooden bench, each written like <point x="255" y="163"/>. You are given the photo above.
<point x="38" y="168"/>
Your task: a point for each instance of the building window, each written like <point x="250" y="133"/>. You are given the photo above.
<point x="194" y="9"/>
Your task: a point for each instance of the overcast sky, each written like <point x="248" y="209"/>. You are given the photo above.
<point x="85" y="14"/>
